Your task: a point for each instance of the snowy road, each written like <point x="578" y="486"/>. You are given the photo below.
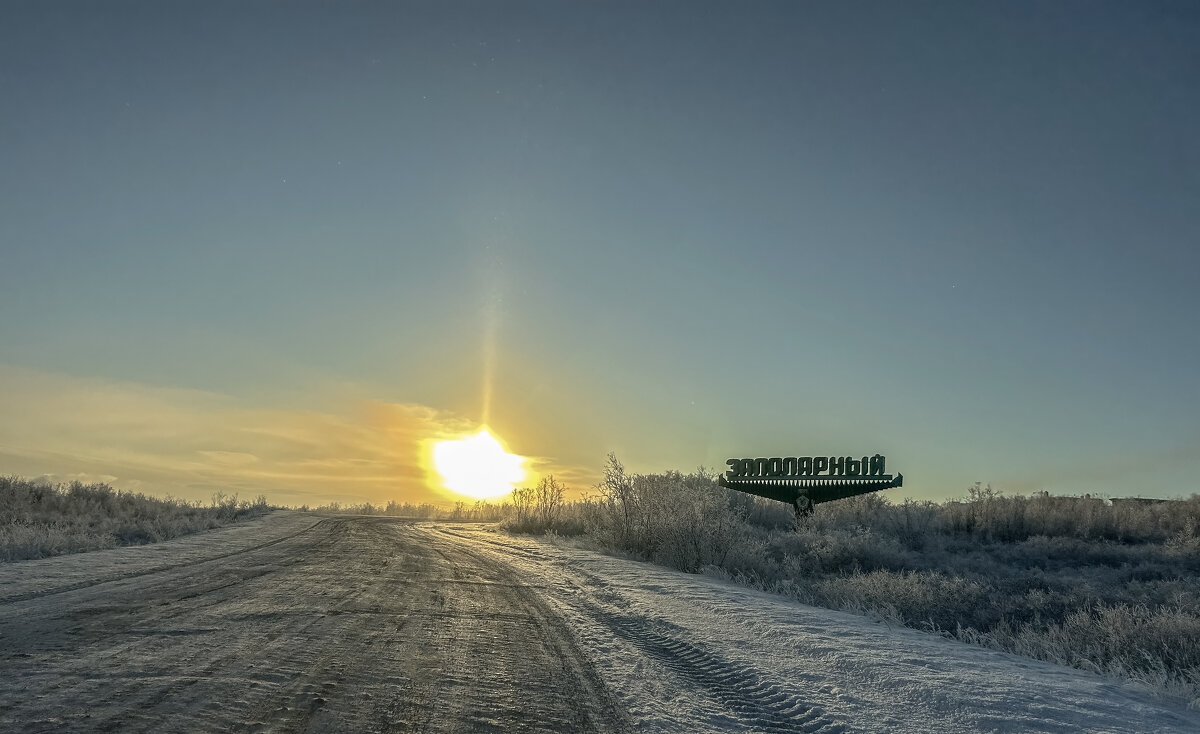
<point x="303" y="623"/>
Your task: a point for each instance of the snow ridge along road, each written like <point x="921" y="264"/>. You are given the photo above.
<point x="304" y="623"/>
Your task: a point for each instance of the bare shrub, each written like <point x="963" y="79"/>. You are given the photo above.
<point x="548" y="500"/>
<point x="540" y="509"/>
<point x="523" y="506"/>
<point x="618" y="508"/>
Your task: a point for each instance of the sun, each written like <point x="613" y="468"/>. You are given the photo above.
<point x="478" y="466"/>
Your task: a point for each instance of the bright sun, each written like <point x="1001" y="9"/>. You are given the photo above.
<point x="477" y="466"/>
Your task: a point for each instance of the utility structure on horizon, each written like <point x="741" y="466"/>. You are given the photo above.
<point x="806" y="481"/>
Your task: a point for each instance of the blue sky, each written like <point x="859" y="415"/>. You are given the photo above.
<point x="960" y="234"/>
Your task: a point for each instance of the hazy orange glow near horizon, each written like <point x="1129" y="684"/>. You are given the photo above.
<point x="478" y="466"/>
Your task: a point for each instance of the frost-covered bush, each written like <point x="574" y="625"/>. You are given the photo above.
<point x="479" y="511"/>
<point x="38" y="519"/>
<point x="926" y="599"/>
<point x="1159" y="646"/>
<point x="685" y="521"/>
<point x="1106" y="586"/>
<point x="992" y="516"/>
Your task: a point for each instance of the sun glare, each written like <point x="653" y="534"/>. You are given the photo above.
<point x="477" y="466"/>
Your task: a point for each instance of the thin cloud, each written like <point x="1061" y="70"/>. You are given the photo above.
<point x="191" y="443"/>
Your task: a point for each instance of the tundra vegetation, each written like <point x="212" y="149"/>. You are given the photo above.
<point x="1111" y="587"/>
<point x="39" y="519"/>
<point x="478" y="511"/>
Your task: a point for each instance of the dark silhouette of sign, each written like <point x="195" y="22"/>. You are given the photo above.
<point x="809" y="480"/>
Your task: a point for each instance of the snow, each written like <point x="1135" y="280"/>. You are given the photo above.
<point x="681" y="650"/>
<point x="27" y="579"/>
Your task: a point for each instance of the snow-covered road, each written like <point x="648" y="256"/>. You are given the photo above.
<point x="303" y="623"/>
<point x="690" y="653"/>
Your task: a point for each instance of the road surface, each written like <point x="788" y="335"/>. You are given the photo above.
<point x="303" y="623"/>
<point x="352" y="624"/>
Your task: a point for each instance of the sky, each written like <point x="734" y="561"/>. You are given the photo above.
<point x="280" y="248"/>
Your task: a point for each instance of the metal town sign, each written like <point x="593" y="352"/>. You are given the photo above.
<point x="805" y="481"/>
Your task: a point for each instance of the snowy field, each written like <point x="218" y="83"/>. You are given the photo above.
<point x="303" y="623"/>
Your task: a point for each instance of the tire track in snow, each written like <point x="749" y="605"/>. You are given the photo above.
<point x="759" y="702"/>
<point x="594" y="707"/>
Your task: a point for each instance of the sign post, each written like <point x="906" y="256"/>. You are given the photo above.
<point x="805" y="481"/>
